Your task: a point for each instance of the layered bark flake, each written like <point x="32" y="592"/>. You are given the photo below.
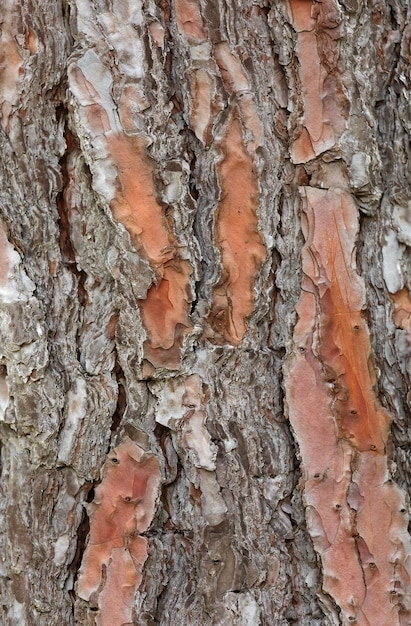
<point x="124" y="178"/>
<point x="317" y="26"/>
<point x="122" y="510"/>
<point x="11" y="59"/>
<point x="238" y="237"/>
<point x="341" y="428"/>
<point x="181" y="408"/>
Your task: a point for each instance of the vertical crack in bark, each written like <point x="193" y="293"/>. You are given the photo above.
<point x="82" y="533"/>
<point x="66" y="247"/>
<point x="121" y="398"/>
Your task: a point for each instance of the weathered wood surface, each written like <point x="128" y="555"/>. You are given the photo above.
<point x="205" y="312"/>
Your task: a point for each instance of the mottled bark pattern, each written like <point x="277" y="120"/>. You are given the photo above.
<point x="205" y="312"/>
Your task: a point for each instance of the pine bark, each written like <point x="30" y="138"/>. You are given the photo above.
<point x="205" y="312"/>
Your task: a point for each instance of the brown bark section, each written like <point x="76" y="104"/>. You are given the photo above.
<point x="142" y="316"/>
<point x="134" y="203"/>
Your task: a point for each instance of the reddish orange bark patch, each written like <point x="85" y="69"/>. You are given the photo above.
<point x="323" y="120"/>
<point x="326" y="463"/>
<point x="165" y="308"/>
<point x="232" y="72"/>
<point x="202" y="88"/>
<point x="136" y="205"/>
<point x="301" y="11"/>
<point x="355" y="513"/>
<point x="122" y="509"/>
<point x="331" y="230"/>
<point x="241" y="245"/>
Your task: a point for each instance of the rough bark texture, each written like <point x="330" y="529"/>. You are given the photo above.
<point x="205" y="231"/>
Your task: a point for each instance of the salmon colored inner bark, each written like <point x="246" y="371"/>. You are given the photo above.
<point x="122" y="509"/>
<point x="241" y="245"/>
<point x="355" y="513"/>
<point x="344" y="346"/>
<point x="323" y="119"/>
<point x="165" y="308"/>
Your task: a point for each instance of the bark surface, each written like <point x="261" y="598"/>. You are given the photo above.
<point x="205" y="312"/>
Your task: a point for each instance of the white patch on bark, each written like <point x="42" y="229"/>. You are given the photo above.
<point x="249" y="610"/>
<point x="76" y="411"/>
<point x="391" y="256"/>
<point x="60" y="549"/>
<point x="170" y="409"/>
<point x="214" y="509"/>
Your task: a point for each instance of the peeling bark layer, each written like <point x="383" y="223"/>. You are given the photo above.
<point x="348" y="489"/>
<point x="123" y="509"/>
<point x="317" y="25"/>
<point x="204" y="312"/>
<point x="342" y="431"/>
<point x="240" y="243"/>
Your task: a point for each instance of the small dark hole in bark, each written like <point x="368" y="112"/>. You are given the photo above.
<point x="115" y="461"/>
<point x="90" y="495"/>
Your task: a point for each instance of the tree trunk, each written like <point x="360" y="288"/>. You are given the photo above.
<point x="205" y="312"/>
